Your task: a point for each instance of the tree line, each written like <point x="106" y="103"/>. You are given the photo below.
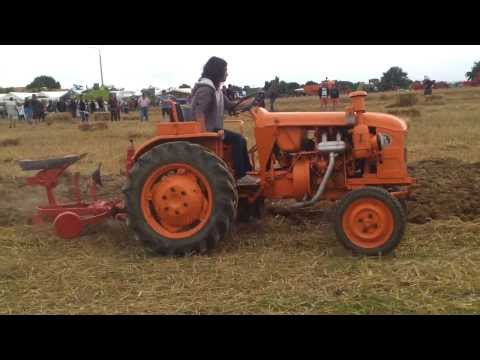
<point x="393" y="78"/>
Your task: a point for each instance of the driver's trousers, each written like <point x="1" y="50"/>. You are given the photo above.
<point x="241" y="161"/>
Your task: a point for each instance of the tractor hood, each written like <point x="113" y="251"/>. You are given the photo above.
<point x="384" y="121"/>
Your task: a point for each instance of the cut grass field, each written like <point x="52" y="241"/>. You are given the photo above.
<point x="281" y="265"/>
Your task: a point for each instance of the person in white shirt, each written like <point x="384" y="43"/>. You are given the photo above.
<point x="21" y="112"/>
<point x="144" y="103"/>
<point x="12" y="112"/>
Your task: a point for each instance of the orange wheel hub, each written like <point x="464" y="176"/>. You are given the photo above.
<point x="368" y="223"/>
<point x="176" y="201"/>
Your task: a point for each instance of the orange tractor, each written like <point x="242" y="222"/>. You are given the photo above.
<point x="181" y="194"/>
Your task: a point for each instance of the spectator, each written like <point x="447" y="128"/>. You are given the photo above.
<point x="230" y="94"/>
<point x="165" y="104"/>
<point x="73" y="108"/>
<point x="61" y="106"/>
<point x="101" y="105"/>
<point x="126" y="106"/>
<point x="82" y="107"/>
<point x="12" y="113"/>
<point x="273" y="92"/>
<point x="37" y="107"/>
<point x="144" y="103"/>
<point x="113" y="106"/>
<point x="334" y="96"/>
<point x="323" y="93"/>
<point x="27" y="108"/>
<point x="428" y="86"/>
<point x="93" y="108"/>
<point x="21" y="112"/>
<point x="50" y="106"/>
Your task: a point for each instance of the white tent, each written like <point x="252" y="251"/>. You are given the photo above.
<point x="120" y="94"/>
<point x="21" y="96"/>
<point x="4" y="97"/>
<point x="53" y="95"/>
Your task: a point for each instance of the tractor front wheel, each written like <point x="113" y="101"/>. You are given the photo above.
<point x="369" y="221"/>
<point x="180" y="199"/>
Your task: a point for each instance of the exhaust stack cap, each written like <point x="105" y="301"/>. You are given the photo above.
<point x="358" y="100"/>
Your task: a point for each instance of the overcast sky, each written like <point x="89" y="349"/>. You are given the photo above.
<point x="137" y="66"/>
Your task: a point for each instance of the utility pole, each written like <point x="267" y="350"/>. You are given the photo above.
<point x="100" y="58"/>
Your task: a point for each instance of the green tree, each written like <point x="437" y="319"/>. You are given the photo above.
<point x="44" y="81"/>
<point x="6" y="90"/>
<point x="472" y="74"/>
<point x="93" y="94"/>
<point x="394" y="78"/>
<point x="184" y="86"/>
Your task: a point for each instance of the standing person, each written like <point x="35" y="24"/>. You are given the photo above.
<point x="73" y="108"/>
<point x="428" y="86"/>
<point x="21" y="112"/>
<point x="113" y="106"/>
<point x="12" y="113"/>
<point x="273" y="92"/>
<point x="334" y="96"/>
<point x="93" y="108"/>
<point x="37" y="108"/>
<point x="101" y="106"/>
<point x="27" y="108"/>
<point x="82" y="107"/>
<point x="323" y="93"/>
<point x="165" y="104"/>
<point x="50" y="106"/>
<point x="208" y="107"/>
<point x="230" y="94"/>
<point x="144" y="103"/>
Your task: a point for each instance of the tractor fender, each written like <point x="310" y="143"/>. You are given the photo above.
<point x="209" y="140"/>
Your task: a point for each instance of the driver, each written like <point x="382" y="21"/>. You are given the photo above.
<point x="208" y="106"/>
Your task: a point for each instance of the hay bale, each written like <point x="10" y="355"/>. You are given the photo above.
<point x="59" y="117"/>
<point x="404" y="100"/>
<point x="9" y="142"/>
<point x="101" y="116"/>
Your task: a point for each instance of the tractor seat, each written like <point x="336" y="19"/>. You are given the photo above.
<point x="47" y="164"/>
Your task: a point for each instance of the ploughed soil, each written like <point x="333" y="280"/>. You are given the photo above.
<point x="445" y="188"/>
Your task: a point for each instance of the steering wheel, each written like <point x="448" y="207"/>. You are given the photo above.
<point x="247" y="103"/>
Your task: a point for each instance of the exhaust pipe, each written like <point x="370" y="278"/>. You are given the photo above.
<point x="321" y="188"/>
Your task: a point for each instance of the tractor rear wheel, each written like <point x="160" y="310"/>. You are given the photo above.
<point x="180" y="199"/>
<point x="369" y="221"/>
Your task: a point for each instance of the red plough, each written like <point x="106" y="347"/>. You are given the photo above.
<point x="69" y="219"/>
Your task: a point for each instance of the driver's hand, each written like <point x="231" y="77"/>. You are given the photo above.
<point x="221" y="134"/>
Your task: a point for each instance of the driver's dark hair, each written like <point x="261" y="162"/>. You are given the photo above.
<point x="214" y="70"/>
